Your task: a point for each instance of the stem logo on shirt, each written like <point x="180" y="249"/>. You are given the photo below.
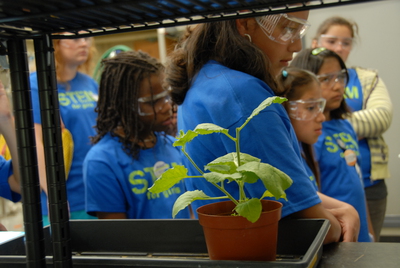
<point x="140" y="182"/>
<point x="332" y="145"/>
<point x="77" y="99"/>
<point x="351" y="93"/>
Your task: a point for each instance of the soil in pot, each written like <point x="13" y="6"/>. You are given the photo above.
<point x="234" y="237"/>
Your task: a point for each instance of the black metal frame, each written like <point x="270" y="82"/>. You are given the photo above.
<point x="38" y="20"/>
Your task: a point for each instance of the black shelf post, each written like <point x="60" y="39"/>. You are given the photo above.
<point x="52" y="141"/>
<point x="21" y="95"/>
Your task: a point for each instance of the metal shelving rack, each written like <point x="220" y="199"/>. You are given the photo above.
<point x="38" y="20"/>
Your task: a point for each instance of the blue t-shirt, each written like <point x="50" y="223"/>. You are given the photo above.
<point x="77" y="101"/>
<point x="226" y="98"/>
<point x="354" y="99"/>
<point x="6" y="170"/>
<point x="115" y="182"/>
<point x="310" y="174"/>
<point x="338" y="179"/>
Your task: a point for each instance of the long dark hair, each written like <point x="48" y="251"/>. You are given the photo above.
<point x="312" y="60"/>
<point x="292" y="79"/>
<point x="119" y="88"/>
<point x="219" y="41"/>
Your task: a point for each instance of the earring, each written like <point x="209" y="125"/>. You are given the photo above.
<point x="248" y="36"/>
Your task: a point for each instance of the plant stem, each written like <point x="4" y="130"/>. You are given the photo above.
<point x="226" y="193"/>
<point x="191" y="160"/>
<point x="242" y="195"/>
<point x="222" y="189"/>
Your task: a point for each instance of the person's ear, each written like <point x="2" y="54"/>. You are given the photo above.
<point x="314" y="43"/>
<point x="245" y="26"/>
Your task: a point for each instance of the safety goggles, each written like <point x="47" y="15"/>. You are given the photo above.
<point x="72" y="43"/>
<point x="283" y="29"/>
<point x="306" y="110"/>
<point x="331" y="42"/>
<point x="153" y="104"/>
<point x="329" y="80"/>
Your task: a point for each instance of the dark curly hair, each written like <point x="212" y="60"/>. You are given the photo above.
<point x="118" y="98"/>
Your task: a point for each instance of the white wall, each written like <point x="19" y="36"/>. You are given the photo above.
<point x="379" y="48"/>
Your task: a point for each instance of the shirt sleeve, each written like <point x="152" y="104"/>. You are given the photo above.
<point x="376" y="116"/>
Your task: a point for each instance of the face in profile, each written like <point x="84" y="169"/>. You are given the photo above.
<point x="282" y="41"/>
<point x="155" y="110"/>
<point x="333" y="82"/>
<point x="306" y="113"/>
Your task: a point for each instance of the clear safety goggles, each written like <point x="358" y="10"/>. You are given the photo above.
<point x="306" y="110"/>
<point x="153" y="104"/>
<point x="72" y="43"/>
<point x="332" y="42"/>
<point x="283" y="29"/>
<point x="329" y="80"/>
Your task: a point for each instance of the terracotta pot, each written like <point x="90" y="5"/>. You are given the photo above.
<point x="234" y="237"/>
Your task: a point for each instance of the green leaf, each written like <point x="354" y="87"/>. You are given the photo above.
<point x="208" y="128"/>
<point x="186" y="199"/>
<point x="184" y="138"/>
<point x="273" y="179"/>
<point x="250" y="209"/>
<point x="228" y="163"/>
<point x="168" y="179"/>
<point x="267" y="194"/>
<point x="215" y="177"/>
<point x="267" y="102"/>
<point x="201" y="129"/>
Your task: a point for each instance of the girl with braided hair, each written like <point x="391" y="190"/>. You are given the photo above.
<point x="131" y="148"/>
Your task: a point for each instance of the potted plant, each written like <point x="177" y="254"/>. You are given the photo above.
<point x="252" y="213"/>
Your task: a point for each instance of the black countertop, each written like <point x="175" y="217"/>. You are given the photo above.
<point x="376" y="255"/>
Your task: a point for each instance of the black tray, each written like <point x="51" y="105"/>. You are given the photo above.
<point x="167" y="243"/>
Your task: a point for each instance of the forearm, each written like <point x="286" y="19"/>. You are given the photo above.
<point x="8" y="131"/>
<point x="375" y="118"/>
<point x="371" y="123"/>
<point x="346" y="214"/>
<point x="318" y="211"/>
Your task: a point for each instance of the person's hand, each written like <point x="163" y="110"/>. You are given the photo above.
<point x="5" y="109"/>
<point x="2" y="227"/>
<point x="349" y="219"/>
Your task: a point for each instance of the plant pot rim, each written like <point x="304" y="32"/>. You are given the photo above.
<point x="220" y="211"/>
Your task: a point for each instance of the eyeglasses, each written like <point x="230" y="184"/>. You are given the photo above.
<point x="153" y="104"/>
<point x="331" y="41"/>
<point x="329" y="80"/>
<point x="69" y="43"/>
<point x="283" y="29"/>
<point x="306" y="110"/>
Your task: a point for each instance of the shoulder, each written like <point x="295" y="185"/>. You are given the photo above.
<point x="166" y="141"/>
<point x="85" y="78"/>
<point x="365" y="72"/>
<point x="226" y="76"/>
<point x="105" y="150"/>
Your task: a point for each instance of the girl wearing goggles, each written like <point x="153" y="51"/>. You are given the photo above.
<point x="219" y="72"/>
<point x="372" y="108"/>
<point x="305" y="107"/>
<point x="131" y="148"/>
<point x="340" y="176"/>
